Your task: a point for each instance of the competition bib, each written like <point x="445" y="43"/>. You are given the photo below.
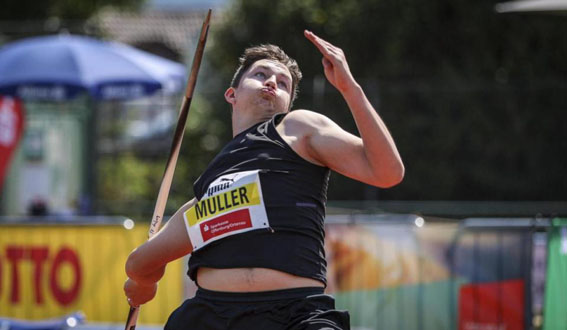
<point x="233" y="204"/>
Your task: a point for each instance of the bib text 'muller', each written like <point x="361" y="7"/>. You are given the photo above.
<point x="246" y="195"/>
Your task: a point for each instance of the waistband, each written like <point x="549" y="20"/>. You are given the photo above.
<point x="295" y="293"/>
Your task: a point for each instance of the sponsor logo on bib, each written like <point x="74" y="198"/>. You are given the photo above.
<point x="236" y="220"/>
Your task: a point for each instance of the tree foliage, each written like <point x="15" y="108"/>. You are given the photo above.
<point x="63" y="9"/>
<point x="474" y="99"/>
<point x="27" y="18"/>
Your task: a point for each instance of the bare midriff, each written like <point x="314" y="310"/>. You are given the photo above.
<point x="251" y="280"/>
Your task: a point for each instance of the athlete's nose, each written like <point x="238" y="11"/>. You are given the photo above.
<point x="271" y="81"/>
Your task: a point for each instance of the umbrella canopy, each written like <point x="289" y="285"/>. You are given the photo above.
<point x="62" y="66"/>
<point x="532" y="6"/>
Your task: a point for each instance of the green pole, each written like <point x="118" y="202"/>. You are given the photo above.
<point x="554" y="310"/>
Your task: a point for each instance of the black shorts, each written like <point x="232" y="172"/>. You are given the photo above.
<point x="291" y="309"/>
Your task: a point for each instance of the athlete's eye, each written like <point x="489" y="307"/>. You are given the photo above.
<point x="260" y="74"/>
<point x="283" y="85"/>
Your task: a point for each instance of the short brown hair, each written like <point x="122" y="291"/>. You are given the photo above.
<point x="268" y="52"/>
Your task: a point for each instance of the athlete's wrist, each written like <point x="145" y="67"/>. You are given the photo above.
<point x="352" y="90"/>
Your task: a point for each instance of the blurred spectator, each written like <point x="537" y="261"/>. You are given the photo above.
<point x="38" y="207"/>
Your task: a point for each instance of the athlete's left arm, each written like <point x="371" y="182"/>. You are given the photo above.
<point x="373" y="158"/>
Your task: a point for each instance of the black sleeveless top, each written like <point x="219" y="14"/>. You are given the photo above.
<point x="295" y="194"/>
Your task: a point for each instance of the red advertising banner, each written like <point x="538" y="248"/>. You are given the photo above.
<point x="11" y="127"/>
<point x="492" y="306"/>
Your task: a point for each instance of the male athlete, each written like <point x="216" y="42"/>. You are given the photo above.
<point x="255" y="226"/>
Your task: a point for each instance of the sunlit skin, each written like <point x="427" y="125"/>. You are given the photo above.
<point x="265" y="89"/>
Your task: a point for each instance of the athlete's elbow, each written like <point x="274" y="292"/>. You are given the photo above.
<point x="397" y="178"/>
<point x="391" y="177"/>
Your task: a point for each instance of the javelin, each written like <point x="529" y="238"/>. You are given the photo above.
<point x="174" y="152"/>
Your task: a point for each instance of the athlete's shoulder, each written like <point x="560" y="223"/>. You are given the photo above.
<point x="307" y="119"/>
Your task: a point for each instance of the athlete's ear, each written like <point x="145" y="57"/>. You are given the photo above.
<point x="229" y="95"/>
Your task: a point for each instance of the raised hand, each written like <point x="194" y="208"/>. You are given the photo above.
<point x="334" y="63"/>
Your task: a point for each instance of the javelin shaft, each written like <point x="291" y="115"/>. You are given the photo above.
<point x="179" y="130"/>
<point x="174" y="152"/>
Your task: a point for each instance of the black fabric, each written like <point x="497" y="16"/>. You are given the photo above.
<point x="292" y="309"/>
<point x="295" y="194"/>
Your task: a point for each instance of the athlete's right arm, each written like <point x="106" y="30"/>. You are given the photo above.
<point x="146" y="264"/>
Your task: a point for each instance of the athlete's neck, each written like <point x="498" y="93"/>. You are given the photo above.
<point x="243" y="121"/>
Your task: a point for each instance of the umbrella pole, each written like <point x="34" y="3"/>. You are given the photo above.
<point x="89" y="203"/>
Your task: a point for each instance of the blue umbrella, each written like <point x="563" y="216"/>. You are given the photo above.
<point x="62" y="66"/>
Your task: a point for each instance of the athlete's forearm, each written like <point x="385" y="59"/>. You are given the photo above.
<point x="385" y="167"/>
<point x="146" y="264"/>
<point x="379" y="147"/>
<point x="142" y="270"/>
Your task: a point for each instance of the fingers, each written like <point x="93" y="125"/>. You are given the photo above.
<point x="315" y="40"/>
<point x="334" y="62"/>
<point x="324" y="47"/>
<point x="329" y="51"/>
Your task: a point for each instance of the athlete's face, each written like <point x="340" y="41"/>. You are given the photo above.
<point x="265" y="87"/>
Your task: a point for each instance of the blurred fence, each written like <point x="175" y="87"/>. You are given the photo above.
<point x="391" y="271"/>
<point x="407" y="272"/>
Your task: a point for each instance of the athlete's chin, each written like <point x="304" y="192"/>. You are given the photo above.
<point x="271" y="108"/>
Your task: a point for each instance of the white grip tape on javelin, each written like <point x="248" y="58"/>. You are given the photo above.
<point x="232" y="205"/>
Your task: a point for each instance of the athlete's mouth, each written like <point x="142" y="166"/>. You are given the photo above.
<point x="269" y="91"/>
